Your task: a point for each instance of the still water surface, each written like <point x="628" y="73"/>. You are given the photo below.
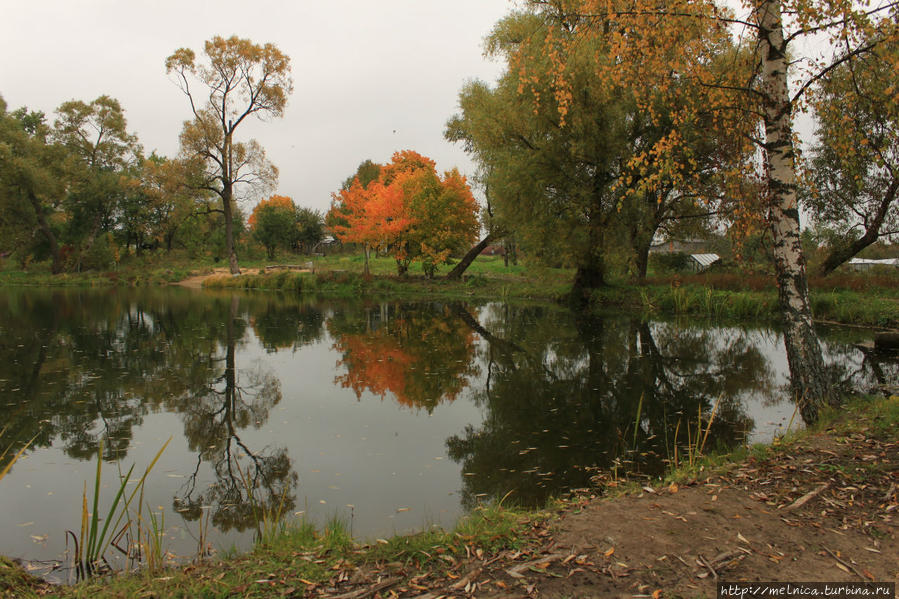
<point x="391" y="416"/>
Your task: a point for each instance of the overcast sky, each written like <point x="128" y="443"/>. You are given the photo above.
<point x="370" y="78"/>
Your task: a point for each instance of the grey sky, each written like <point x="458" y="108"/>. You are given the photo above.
<point x="370" y="78"/>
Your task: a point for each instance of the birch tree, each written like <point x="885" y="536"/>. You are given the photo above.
<point x="650" y="55"/>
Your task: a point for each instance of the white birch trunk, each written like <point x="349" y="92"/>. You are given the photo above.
<point x="807" y="373"/>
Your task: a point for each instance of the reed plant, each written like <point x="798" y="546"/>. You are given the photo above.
<point x="696" y="437"/>
<point x="9" y="464"/>
<point x="266" y="518"/>
<point x="150" y="543"/>
<point x="93" y="542"/>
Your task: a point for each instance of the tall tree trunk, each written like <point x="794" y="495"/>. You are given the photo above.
<point x="589" y="276"/>
<point x="91" y="239"/>
<point x="169" y="239"/>
<point x="808" y="376"/>
<point x="470" y="255"/>
<point x="228" y="210"/>
<point x="641" y="242"/>
<point x="227" y="165"/>
<point x="842" y="253"/>
<point x="591" y="269"/>
<point x="47" y="232"/>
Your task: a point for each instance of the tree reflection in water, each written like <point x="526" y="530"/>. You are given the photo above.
<point x="248" y="484"/>
<point x="561" y="393"/>
<point x="419" y="353"/>
<point x="575" y="393"/>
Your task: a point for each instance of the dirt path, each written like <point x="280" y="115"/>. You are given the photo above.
<point x="196" y="281"/>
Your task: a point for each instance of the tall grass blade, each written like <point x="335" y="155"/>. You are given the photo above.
<point x="637" y="419"/>
<point x="16" y="457"/>
<point x="140" y="483"/>
<point x="95" y="514"/>
<point x="709" y="426"/>
<point x="95" y="541"/>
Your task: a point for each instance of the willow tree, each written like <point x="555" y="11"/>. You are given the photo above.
<point x="854" y="172"/>
<point x="33" y="180"/>
<point x="575" y="171"/>
<point x="650" y="55"/>
<point x="239" y="79"/>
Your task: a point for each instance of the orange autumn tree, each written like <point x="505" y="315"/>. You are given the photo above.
<point x="373" y="216"/>
<point x="409" y="212"/>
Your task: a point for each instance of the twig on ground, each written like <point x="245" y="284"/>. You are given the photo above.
<point x="844" y="563"/>
<point x="805" y="498"/>
<point x="361" y="593"/>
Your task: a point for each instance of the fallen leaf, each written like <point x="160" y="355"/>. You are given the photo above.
<point x="609" y="552"/>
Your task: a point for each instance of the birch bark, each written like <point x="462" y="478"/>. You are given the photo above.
<point x="808" y="377"/>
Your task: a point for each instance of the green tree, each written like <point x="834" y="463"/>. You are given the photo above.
<point x="33" y="180"/>
<point x="242" y="79"/>
<point x="366" y="172"/>
<point x="854" y="170"/>
<point x="445" y="219"/>
<point x="172" y="197"/>
<point x="106" y="155"/>
<point x="310" y="225"/>
<point x="577" y="190"/>
<point x="274" y="224"/>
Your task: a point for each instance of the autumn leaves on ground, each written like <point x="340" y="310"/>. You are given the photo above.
<point x="820" y="505"/>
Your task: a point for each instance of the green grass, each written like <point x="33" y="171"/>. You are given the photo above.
<point x="843" y="297"/>
<point x="16" y="583"/>
<point x="302" y="557"/>
<point x="875" y="417"/>
<point x="341" y="276"/>
<point x="876" y="307"/>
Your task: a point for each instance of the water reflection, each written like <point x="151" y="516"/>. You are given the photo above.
<point x="247" y="483"/>
<point x="573" y="393"/>
<point x="530" y="399"/>
<point x="419" y="353"/>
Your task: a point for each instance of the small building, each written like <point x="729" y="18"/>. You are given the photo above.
<point x="673" y="246"/>
<point x="327" y="243"/>
<point x="700" y="262"/>
<point x="862" y="264"/>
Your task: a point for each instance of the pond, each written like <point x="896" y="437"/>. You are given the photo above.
<point x="391" y="416"/>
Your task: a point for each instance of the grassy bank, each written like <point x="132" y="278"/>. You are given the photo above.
<point x="853" y="299"/>
<point x="301" y="561"/>
<point x="850" y="298"/>
<point x="496" y="550"/>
